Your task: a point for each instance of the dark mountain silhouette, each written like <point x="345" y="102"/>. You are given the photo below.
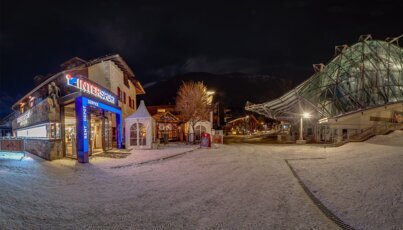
<point x="232" y="90"/>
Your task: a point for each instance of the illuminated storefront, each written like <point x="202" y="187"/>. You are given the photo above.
<point x="85" y="133"/>
<point x="83" y="120"/>
<point x="70" y="115"/>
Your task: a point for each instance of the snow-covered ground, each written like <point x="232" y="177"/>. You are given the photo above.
<point x="362" y="183"/>
<point x="241" y="186"/>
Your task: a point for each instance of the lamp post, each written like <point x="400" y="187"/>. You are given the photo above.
<point x="301" y="131"/>
<point x="210" y="95"/>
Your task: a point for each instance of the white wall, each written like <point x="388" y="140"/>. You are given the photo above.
<point x="148" y="123"/>
<point x="206" y="124"/>
<point x="99" y="73"/>
<point x="361" y="120"/>
<point x="110" y="76"/>
<point x="35" y="132"/>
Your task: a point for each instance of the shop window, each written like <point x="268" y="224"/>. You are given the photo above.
<point x="54" y="131"/>
<point x="42" y="131"/>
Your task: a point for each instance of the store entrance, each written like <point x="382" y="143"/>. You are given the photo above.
<point x="70" y="140"/>
<point x="89" y="129"/>
<point x="100" y="127"/>
<point x="100" y="139"/>
<point x="96" y="128"/>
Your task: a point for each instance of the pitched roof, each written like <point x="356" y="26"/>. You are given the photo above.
<point x="166" y="117"/>
<point x="141" y="112"/>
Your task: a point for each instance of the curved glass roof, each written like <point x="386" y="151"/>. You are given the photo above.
<point x="365" y="75"/>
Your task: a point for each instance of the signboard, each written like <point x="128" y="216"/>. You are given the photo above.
<point x="85" y="127"/>
<point x="90" y="88"/>
<point x="23" y="119"/>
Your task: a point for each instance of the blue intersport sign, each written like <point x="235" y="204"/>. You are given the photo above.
<point x="85" y="127"/>
<point x="90" y="88"/>
<point x="82" y="126"/>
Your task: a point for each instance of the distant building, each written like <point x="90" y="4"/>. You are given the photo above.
<point x="79" y="111"/>
<point x="227" y="115"/>
<point x="242" y="125"/>
<point x="168" y="122"/>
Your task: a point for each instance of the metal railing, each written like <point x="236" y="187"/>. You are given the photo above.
<point x="376" y="129"/>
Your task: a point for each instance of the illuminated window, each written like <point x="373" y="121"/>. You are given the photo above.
<point x="43" y="131"/>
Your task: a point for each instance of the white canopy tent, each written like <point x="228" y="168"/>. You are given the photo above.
<point x="139" y="128"/>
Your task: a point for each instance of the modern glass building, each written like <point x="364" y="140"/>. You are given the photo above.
<point x="364" y="78"/>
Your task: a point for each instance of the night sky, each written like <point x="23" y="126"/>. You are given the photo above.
<point x="160" y="40"/>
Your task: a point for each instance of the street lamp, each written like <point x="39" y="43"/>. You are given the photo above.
<point x="301" y="138"/>
<point x="210" y="95"/>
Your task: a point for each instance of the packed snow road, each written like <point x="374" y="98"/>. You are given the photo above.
<point x="238" y="186"/>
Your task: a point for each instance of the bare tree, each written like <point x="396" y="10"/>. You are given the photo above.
<point x="192" y="103"/>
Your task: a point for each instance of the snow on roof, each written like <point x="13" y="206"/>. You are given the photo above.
<point x="141" y="112"/>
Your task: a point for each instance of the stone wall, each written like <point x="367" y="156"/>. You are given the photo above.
<point x="46" y="149"/>
<point x="12" y="145"/>
<point x="43" y="112"/>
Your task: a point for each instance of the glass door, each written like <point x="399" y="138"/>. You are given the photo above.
<point x="107" y="134"/>
<point x="70" y="145"/>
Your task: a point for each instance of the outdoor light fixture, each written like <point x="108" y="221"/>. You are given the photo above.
<point x="301" y="138"/>
<point x="210" y="95"/>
